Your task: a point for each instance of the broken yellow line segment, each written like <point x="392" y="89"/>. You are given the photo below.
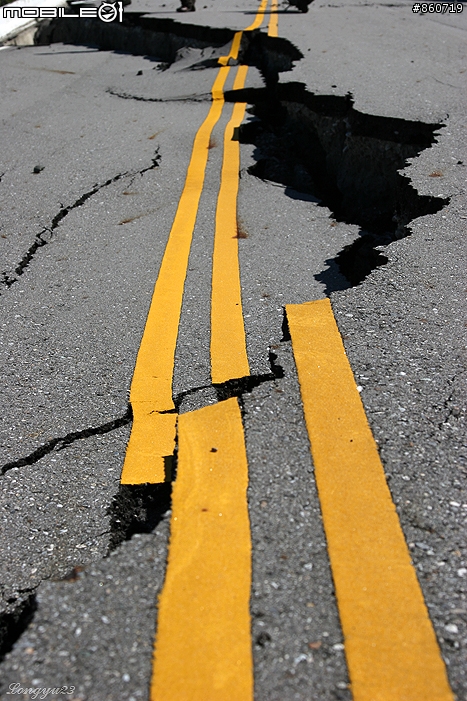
<point x="153" y="433"/>
<point x="273" y="28"/>
<point x="391" y="649"/>
<point x="152" y="438"/>
<point x="229" y="358"/>
<point x="203" y="645"/>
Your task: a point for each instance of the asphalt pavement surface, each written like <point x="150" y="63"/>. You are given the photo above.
<point x="352" y="186"/>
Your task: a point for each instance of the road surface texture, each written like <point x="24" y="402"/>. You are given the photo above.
<point x="351" y="191"/>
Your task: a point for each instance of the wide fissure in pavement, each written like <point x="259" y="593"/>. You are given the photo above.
<point x="323" y="149"/>
<point x="232" y="388"/>
<point x="15" y="620"/>
<point x="239" y="386"/>
<point x="138" y="34"/>
<point x="134" y="509"/>
<point x="137" y="508"/>
<point x="163" y="39"/>
<point x="318" y="146"/>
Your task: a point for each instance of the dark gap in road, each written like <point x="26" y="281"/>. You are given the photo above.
<point x="235" y="387"/>
<point x="270" y="55"/>
<point x="231" y="388"/>
<point x="163" y="39"/>
<point x="138" y="34"/>
<point x="241" y="385"/>
<point x="321" y="146"/>
<point x="285" y="328"/>
<point x="203" y="97"/>
<point x="57" y="444"/>
<point x="14" y="622"/>
<point x="137" y="508"/>
<point x="44" y="237"/>
<point x="178" y="399"/>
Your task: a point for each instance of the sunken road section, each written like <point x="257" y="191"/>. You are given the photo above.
<point x="163" y="38"/>
<point x="319" y="146"/>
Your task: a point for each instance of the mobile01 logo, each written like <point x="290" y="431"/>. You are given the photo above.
<point x="107" y="12"/>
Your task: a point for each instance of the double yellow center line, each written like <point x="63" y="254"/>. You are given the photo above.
<point x="203" y="645"/>
<point x="152" y="438"/>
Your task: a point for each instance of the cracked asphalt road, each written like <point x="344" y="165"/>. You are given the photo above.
<point x="81" y="243"/>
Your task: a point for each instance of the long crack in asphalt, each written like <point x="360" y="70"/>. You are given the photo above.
<point x="321" y="146"/>
<point x="315" y="145"/>
<point x="56" y="444"/>
<point x="7" y="279"/>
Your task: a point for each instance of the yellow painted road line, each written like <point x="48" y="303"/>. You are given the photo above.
<point x="203" y="644"/>
<point x="391" y="649"/>
<point x="153" y="433"/>
<point x="203" y="647"/>
<point x="152" y="438"/>
<point x="273" y="28"/>
<point x="259" y="17"/>
<point x="228" y="344"/>
<point x="229" y="358"/>
<point x="233" y="53"/>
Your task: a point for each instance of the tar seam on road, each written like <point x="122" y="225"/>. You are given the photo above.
<point x="203" y="644"/>
<point x="390" y="645"/>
